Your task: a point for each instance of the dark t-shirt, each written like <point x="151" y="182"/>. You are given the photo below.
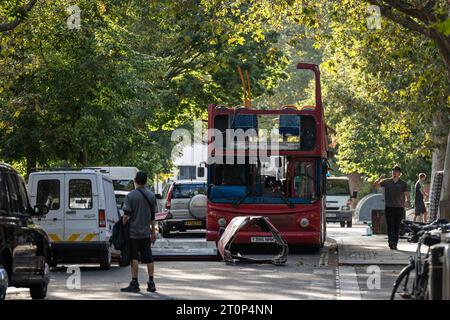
<point x="394" y="193"/>
<point x="141" y="215"/>
<point x="418" y="193"/>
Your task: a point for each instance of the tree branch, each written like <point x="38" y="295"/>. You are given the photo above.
<point x="12" y="24"/>
<point x="405" y="21"/>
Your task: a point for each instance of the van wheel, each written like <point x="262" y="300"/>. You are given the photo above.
<point x="39" y="291"/>
<point x="349" y="223"/>
<point x="4" y="280"/>
<point x="105" y="263"/>
<point x="342" y="224"/>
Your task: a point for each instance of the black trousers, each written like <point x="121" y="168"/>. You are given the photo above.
<point x="394" y="217"/>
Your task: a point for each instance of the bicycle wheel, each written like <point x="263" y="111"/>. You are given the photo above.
<point x="422" y="289"/>
<point x="402" y="282"/>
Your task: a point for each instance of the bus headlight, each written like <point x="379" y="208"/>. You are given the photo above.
<point x="345" y="208"/>
<point x="304" y="223"/>
<point x="222" y="222"/>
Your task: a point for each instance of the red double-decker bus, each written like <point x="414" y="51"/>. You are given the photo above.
<point x="269" y="163"/>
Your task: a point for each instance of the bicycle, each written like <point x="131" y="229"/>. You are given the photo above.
<point x="423" y="234"/>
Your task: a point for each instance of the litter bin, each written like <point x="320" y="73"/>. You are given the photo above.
<point x="379" y="222"/>
<point x="446" y="274"/>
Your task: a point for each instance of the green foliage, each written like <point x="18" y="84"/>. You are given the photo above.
<point x="112" y="91"/>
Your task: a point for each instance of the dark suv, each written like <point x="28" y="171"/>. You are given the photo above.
<point x="24" y="247"/>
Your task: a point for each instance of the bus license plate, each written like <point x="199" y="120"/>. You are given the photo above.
<point x="193" y="223"/>
<point x="262" y="239"/>
<point x="331" y="215"/>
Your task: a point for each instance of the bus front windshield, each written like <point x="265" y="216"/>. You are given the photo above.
<point x="280" y="180"/>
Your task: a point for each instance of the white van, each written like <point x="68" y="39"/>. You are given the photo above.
<point x="122" y="177"/>
<point x="82" y="214"/>
<point x="339" y="201"/>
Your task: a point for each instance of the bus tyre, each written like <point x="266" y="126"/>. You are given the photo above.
<point x="342" y="224"/>
<point x="349" y="223"/>
<point x="105" y="262"/>
<point x="39" y="291"/>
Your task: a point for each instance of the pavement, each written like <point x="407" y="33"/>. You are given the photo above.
<point x="355" y="248"/>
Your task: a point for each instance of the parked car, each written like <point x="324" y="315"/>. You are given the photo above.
<point x="120" y="198"/>
<point x="339" y="201"/>
<point x="25" y="252"/>
<point x="185" y="200"/>
<point x="82" y="214"/>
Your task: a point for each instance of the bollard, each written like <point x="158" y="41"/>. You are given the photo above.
<point x="435" y="281"/>
<point x="446" y="274"/>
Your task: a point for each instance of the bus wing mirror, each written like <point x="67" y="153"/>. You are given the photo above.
<point x="200" y="172"/>
<point x="158" y="196"/>
<point x="355" y="194"/>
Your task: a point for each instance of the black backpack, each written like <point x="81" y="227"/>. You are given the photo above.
<point x="120" y="235"/>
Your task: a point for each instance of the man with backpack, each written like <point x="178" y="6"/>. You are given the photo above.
<point x="139" y="211"/>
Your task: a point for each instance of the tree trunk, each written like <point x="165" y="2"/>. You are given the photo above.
<point x="31" y="164"/>
<point x="442" y="44"/>
<point x="440" y="125"/>
<point x="356" y="184"/>
<point x="444" y="206"/>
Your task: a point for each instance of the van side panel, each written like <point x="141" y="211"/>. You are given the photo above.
<point x="112" y="215"/>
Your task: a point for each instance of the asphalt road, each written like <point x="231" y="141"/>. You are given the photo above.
<point x="305" y="276"/>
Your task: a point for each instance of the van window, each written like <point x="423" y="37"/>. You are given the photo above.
<point x="4" y="202"/>
<point x="80" y="194"/>
<point x="123" y="185"/>
<point x="336" y="187"/>
<point x="48" y="193"/>
<point x="186" y="191"/>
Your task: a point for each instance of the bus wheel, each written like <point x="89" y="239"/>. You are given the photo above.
<point x="342" y="224"/>
<point x="349" y="223"/>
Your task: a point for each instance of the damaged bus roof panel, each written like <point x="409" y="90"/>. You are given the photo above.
<point x="239" y="223"/>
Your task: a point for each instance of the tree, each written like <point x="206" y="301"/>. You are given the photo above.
<point x="429" y="18"/>
<point x="112" y="91"/>
<point x="13" y="14"/>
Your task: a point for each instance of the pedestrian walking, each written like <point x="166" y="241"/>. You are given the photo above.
<point x="419" y="194"/>
<point x="396" y="197"/>
<point x="139" y="211"/>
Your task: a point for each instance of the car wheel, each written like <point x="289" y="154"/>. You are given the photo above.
<point x="105" y="262"/>
<point x="122" y="261"/>
<point x="39" y="291"/>
<point x="4" y="280"/>
<point x="165" y="230"/>
<point x="342" y="224"/>
<point x="349" y="223"/>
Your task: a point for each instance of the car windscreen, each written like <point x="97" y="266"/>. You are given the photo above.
<point x="123" y="185"/>
<point x="338" y="187"/>
<point x="186" y="191"/>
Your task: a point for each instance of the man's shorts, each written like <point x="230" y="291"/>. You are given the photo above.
<point x="419" y="208"/>
<point x="141" y="250"/>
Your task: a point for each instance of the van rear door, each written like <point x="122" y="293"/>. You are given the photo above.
<point x="48" y="190"/>
<point x="81" y="208"/>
